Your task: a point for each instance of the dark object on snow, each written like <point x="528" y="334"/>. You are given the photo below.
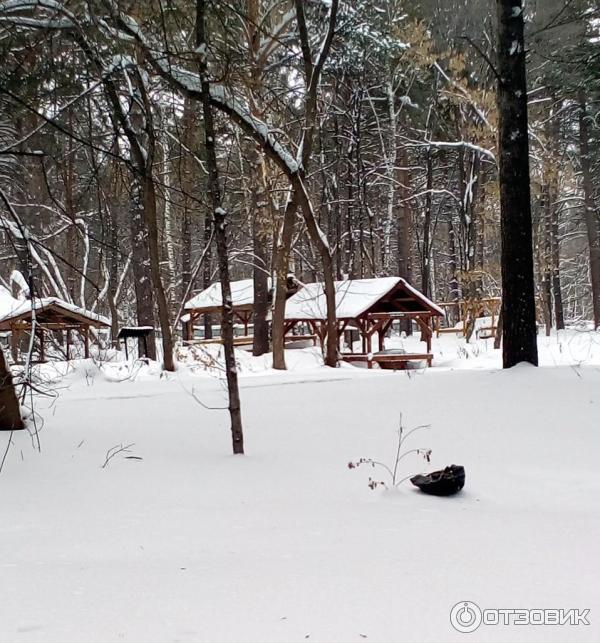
<point x="446" y="482"/>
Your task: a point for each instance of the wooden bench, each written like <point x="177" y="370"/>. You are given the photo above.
<point x="300" y="338"/>
<point x="486" y="332"/>
<point x="398" y="362"/>
<point x="393" y="361"/>
<point x="441" y="331"/>
<point x="242" y="340"/>
<point x="355" y="357"/>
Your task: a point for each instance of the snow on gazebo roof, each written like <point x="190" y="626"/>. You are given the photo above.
<point x="353" y="298"/>
<point x="242" y="294"/>
<point x="12" y="309"/>
<point x="7" y="301"/>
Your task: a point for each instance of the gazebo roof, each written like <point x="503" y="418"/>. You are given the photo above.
<point x="50" y="310"/>
<point x="242" y="295"/>
<point x="355" y="297"/>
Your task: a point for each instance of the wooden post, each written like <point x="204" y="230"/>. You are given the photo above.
<point x="42" y="352"/>
<point x="14" y="343"/>
<point x="428" y="338"/>
<point x="86" y="342"/>
<point x="68" y="343"/>
<point x="126" y="350"/>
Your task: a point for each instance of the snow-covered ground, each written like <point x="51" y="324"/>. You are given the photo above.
<point x="191" y="544"/>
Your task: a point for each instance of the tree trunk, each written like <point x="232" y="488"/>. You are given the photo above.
<point x="259" y="197"/>
<point x="455" y="292"/>
<point x="404" y="218"/>
<point x="220" y="228"/>
<point x="390" y="170"/>
<point x="546" y="255"/>
<point x="113" y="273"/>
<point x="260" y="271"/>
<point x="157" y="283"/>
<point x="426" y="249"/>
<point x="498" y="337"/>
<point x="591" y="216"/>
<point x="139" y="128"/>
<point x="144" y="294"/>
<point x="191" y="189"/>
<point x="319" y="241"/>
<point x="553" y="136"/>
<point x="559" y="314"/>
<point x="518" y="296"/>
<point x="186" y="249"/>
<point x="282" y="258"/>
<point x="207" y="271"/>
<point x="10" y="416"/>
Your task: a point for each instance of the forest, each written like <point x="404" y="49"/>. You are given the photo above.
<point x="388" y="108"/>
<point x="357" y="244"/>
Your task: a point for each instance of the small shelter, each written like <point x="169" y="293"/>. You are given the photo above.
<point x="140" y="333"/>
<point x="369" y="306"/>
<point x="210" y="302"/>
<point x="51" y="315"/>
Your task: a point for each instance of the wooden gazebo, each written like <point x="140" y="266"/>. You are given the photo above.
<point x="369" y="306"/>
<point x="51" y="315"/>
<point x="210" y="302"/>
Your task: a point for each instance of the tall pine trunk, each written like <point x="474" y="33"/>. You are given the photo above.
<point x="518" y="295"/>
<point x="282" y="258"/>
<point x="157" y="282"/>
<point x="144" y="293"/>
<point x="259" y="196"/>
<point x="426" y="245"/>
<point x="591" y="216"/>
<point x="553" y="135"/>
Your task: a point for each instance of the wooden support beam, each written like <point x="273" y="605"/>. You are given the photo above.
<point x="42" y="348"/>
<point x="426" y="332"/>
<point x="86" y="341"/>
<point x="14" y="343"/>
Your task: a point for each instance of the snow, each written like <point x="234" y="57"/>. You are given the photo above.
<point x="242" y="294"/>
<point x="7" y="301"/>
<point x="189" y="543"/>
<point x="10" y="307"/>
<point x="352" y="298"/>
<point x="17" y="278"/>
